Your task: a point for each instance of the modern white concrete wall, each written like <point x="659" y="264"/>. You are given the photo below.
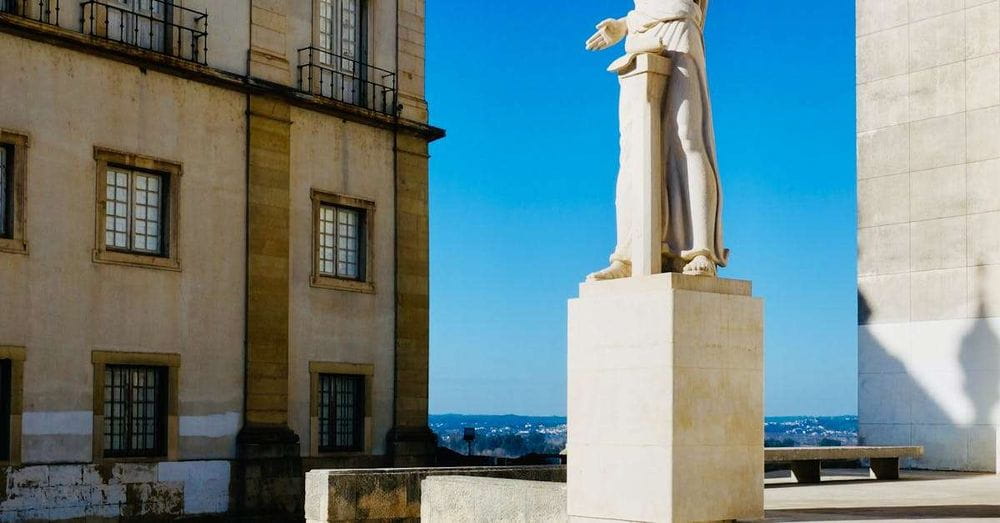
<point x="928" y="99"/>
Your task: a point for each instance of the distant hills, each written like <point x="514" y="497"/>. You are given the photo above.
<point x="510" y="435"/>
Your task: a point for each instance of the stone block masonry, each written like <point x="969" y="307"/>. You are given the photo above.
<point x="114" y="490"/>
<point x="665" y="400"/>
<point x="928" y="140"/>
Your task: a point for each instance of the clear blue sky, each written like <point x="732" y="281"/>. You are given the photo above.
<point x="522" y="191"/>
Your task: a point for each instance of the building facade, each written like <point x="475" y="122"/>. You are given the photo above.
<point x="213" y="251"/>
<point x="928" y="76"/>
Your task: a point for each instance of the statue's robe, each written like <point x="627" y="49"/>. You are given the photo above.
<point x="674" y="26"/>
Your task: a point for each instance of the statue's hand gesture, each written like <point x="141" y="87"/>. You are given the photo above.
<point x="609" y="32"/>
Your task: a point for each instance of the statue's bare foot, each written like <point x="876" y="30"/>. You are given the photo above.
<point x="616" y="270"/>
<point x="700" y="266"/>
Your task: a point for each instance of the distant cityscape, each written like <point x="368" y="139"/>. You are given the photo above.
<point x="511" y="436"/>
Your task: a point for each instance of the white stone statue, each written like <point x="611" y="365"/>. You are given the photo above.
<point x="691" y="204"/>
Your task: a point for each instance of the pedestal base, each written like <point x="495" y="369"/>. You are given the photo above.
<point x="666" y="400"/>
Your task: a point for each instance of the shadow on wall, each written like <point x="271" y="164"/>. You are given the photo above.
<point x="928" y="392"/>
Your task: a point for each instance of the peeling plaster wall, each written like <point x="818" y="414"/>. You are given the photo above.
<point x="53" y="492"/>
<point x="61" y="306"/>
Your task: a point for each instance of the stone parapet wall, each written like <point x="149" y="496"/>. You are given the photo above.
<point x="458" y="498"/>
<point x="113" y="491"/>
<point x="395" y="494"/>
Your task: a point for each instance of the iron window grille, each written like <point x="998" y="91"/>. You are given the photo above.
<point x="341" y="242"/>
<point x="135" y="406"/>
<point x="6" y="191"/>
<point x="45" y="11"/>
<point x="134" y="215"/>
<point x="6" y="396"/>
<point x="348" y="80"/>
<point x="341" y="412"/>
<point x="154" y="25"/>
<point x="336" y="67"/>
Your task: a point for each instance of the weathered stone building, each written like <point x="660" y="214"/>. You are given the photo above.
<point x="213" y="251"/>
<point x="929" y="228"/>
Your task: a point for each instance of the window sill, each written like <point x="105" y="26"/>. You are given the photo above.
<point x="135" y="460"/>
<point x="13" y="246"/>
<point x="340" y="284"/>
<point x="341" y="454"/>
<point x="136" y="260"/>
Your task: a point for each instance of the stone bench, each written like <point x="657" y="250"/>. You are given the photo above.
<point x="806" y="461"/>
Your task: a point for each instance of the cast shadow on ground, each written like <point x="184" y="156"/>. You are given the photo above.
<point x="931" y="512"/>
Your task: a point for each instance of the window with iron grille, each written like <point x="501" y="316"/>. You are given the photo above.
<point x="341" y="242"/>
<point x="341" y="412"/>
<point x="135" y="406"/>
<point x="134" y="218"/>
<point x="6" y="191"/>
<point x="6" y="395"/>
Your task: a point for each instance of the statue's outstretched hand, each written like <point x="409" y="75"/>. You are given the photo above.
<point x="609" y="32"/>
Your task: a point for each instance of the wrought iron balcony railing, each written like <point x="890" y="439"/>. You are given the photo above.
<point x="348" y="80"/>
<point x="154" y="25"/>
<point x="45" y="11"/>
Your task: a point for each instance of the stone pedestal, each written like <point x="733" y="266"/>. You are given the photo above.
<point x="665" y="400"/>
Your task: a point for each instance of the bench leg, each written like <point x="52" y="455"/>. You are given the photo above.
<point x="885" y="468"/>
<point x="806" y="471"/>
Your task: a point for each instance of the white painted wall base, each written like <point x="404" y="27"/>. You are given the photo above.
<point x="132" y="490"/>
<point x="665" y="400"/>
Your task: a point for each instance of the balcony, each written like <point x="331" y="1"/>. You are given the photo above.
<point x="347" y="80"/>
<point x="154" y="25"/>
<point x="45" y="11"/>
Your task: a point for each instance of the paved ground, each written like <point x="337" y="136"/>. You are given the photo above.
<point x="848" y="495"/>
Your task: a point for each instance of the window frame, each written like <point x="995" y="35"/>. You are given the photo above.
<point x="170" y="363"/>
<point x="14" y="240"/>
<point x="159" y="419"/>
<point x="364" y="37"/>
<point x="170" y="179"/>
<point x="12" y="399"/>
<point x="366" y="252"/>
<point x="163" y="205"/>
<point x="365" y="371"/>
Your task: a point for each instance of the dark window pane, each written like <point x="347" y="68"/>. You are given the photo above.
<point x="6" y="191"/>
<point x="134" y="410"/>
<point x="341" y="412"/>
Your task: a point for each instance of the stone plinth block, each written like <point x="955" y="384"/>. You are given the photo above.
<point x="666" y="400"/>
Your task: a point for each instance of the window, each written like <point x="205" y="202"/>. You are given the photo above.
<point x="11" y="403"/>
<point x="340" y="401"/>
<point x="341" y="31"/>
<point x="13" y="168"/>
<point x="135" y="407"/>
<point x="134" y="410"/>
<point x="6" y="393"/>
<point x="340" y="36"/>
<point x="137" y="210"/>
<point x="133" y="214"/>
<point x="342" y="247"/>
<point x="161" y="26"/>
<point x="340" y="242"/>
<point x="341" y="412"/>
<point x="6" y="182"/>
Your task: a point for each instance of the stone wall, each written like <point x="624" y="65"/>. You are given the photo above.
<point x="928" y="98"/>
<point x="457" y="498"/>
<point x="394" y="494"/>
<point x="121" y="490"/>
